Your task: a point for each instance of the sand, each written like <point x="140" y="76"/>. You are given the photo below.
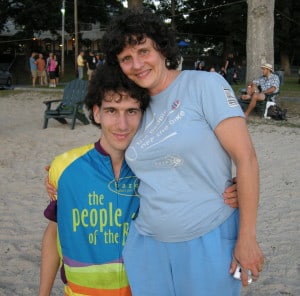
<point x="26" y="148"/>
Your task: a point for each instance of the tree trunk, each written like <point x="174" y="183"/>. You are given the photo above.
<point x="135" y="3"/>
<point x="260" y="36"/>
<point x="285" y="63"/>
<point x="284" y="42"/>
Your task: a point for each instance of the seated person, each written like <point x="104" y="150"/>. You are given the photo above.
<point x="267" y="84"/>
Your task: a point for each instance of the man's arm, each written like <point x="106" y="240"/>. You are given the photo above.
<point x="230" y="195"/>
<point x="269" y="91"/>
<point x="49" y="260"/>
<point x="274" y="83"/>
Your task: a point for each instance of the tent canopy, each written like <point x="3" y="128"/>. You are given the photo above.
<point x="183" y="43"/>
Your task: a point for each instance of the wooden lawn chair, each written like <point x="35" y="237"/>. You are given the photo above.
<point x="70" y="106"/>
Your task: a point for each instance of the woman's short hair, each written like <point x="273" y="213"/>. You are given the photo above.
<point x="132" y="27"/>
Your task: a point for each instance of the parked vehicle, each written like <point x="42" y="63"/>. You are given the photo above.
<point x="5" y="76"/>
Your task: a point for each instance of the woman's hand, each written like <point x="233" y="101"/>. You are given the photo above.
<point x="250" y="257"/>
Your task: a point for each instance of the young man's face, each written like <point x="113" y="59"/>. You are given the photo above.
<point x="119" y="122"/>
<point x="143" y="64"/>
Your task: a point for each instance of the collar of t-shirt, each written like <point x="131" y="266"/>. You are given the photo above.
<point x="100" y="149"/>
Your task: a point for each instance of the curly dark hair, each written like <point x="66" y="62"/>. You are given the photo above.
<point x="106" y="79"/>
<point x="132" y="27"/>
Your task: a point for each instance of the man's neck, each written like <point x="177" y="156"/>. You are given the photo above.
<point x="117" y="158"/>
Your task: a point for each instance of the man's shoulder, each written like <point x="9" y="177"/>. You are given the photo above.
<point x="274" y="79"/>
<point x="66" y="158"/>
<point x="76" y="152"/>
<point x="274" y="76"/>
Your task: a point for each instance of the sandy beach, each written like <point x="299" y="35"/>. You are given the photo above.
<point x="26" y="148"/>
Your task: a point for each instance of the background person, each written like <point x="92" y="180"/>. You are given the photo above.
<point x="57" y="69"/>
<point x="267" y="84"/>
<point x="91" y="63"/>
<point x="33" y="67"/>
<point x="200" y="66"/>
<point x="50" y="56"/>
<point x="100" y="59"/>
<point x="52" y="65"/>
<point x="229" y="67"/>
<point x="176" y="244"/>
<point x="222" y="72"/>
<point x="80" y="64"/>
<point x="41" y="69"/>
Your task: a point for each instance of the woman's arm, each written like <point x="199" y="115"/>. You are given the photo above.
<point x="230" y="194"/>
<point x="234" y="137"/>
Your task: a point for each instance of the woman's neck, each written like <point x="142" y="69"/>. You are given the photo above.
<point x="167" y="79"/>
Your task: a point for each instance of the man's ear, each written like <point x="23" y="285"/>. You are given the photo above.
<point x="96" y="113"/>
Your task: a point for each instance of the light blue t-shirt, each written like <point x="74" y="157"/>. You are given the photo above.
<point x="182" y="167"/>
<point x="33" y="66"/>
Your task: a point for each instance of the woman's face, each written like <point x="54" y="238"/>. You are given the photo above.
<point x="143" y="64"/>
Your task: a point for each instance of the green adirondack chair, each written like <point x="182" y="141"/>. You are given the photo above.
<point x="70" y="106"/>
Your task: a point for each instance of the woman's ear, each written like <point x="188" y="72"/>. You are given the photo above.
<point x="96" y="113"/>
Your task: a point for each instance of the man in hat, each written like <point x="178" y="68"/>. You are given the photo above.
<point x="267" y="84"/>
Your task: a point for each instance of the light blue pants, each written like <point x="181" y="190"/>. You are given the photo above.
<point x="80" y="72"/>
<point x="199" y="267"/>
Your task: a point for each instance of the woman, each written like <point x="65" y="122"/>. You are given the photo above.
<point x="185" y="240"/>
<point x="51" y="69"/>
<point x="57" y="70"/>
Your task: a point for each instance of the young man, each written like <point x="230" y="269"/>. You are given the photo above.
<point x="268" y="83"/>
<point x="96" y="195"/>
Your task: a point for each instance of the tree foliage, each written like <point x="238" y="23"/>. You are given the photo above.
<point x="287" y="32"/>
<point x="4" y="5"/>
<point x="223" y="24"/>
<point x="218" y="24"/>
<point x="36" y="16"/>
<point x="135" y="3"/>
